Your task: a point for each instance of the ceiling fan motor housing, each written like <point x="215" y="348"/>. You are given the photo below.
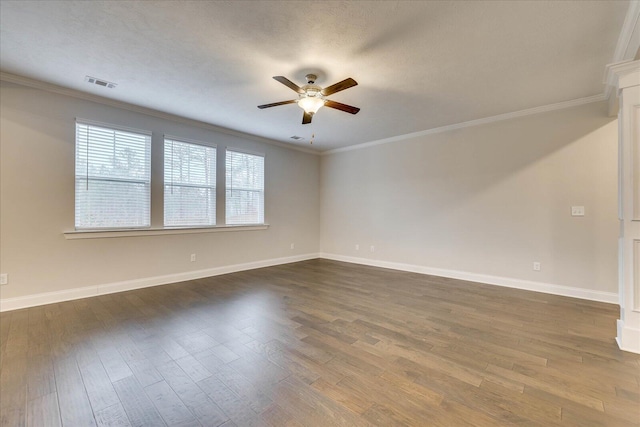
<point x="311" y="90"/>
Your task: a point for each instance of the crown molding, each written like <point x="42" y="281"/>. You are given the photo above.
<point x="626" y="41"/>
<point x="616" y="72"/>
<point x="38" y="84"/>
<point x="50" y="87"/>
<point x="470" y="123"/>
<point x="618" y="76"/>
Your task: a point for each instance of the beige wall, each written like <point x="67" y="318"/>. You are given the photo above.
<point x="37" y="202"/>
<point x="487" y="200"/>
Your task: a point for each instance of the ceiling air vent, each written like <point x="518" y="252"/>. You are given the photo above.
<point x="99" y="82"/>
<point x="296" y="137"/>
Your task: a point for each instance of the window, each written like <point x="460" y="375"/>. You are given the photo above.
<point x="189" y="184"/>
<point x="244" y="188"/>
<point x="113" y="174"/>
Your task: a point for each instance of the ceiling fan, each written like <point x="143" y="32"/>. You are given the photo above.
<point x="311" y="96"/>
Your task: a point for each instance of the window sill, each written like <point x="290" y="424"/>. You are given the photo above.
<point x="104" y="234"/>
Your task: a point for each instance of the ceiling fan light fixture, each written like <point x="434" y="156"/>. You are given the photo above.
<point x="312" y="97"/>
<point x="310" y="104"/>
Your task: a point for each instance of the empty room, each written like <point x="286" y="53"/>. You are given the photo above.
<point x="319" y="213"/>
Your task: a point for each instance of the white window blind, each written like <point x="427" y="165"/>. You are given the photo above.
<point x="113" y="175"/>
<point x="189" y="184"/>
<point x="244" y="188"/>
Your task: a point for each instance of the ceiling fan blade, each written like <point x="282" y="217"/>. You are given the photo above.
<point x="275" y="104"/>
<point x="285" y="81"/>
<point x="306" y="118"/>
<point x="342" y="107"/>
<point x="345" y="84"/>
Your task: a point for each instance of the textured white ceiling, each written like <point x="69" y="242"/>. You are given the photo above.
<point x="419" y="65"/>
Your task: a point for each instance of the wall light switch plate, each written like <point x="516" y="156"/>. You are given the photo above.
<point x="577" y="210"/>
<point x="4" y="279"/>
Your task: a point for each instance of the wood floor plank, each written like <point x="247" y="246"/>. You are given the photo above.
<point x="580" y="398"/>
<point x="356" y="402"/>
<point x="379" y="415"/>
<point x="145" y="372"/>
<point x="571" y="416"/>
<point x="259" y="369"/>
<point x="98" y="387"/>
<point x="308" y="405"/>
<point x="254" y="391"/>
<point x="460" y="415"/>
<point x="169" y="405"/>
<point x="237" y="410"/>
<point x="40" y="377"/>
<point x="44" y="411"/>
<point x="75" y="408"/>
<point x="196" y="341"/>
<point x="524" y="405"/>
<point x="192" y="367"/>
<point x="275" y="416"/>
<point x="623" y="410"/>
<point x="223" y="353"/>
<point x="139" y="409"/>
<point x="5" y="324"/>
<point x="114" y="364"/>
<point x="578" y="414"/>
<point x="112" y="416"/>
<point x="408" y="406"/>
<point x="202" y="407"/>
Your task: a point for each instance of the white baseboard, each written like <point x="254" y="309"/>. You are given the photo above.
<point x="628" y="338"/>
<point x="567" y="291"/>
<point x="109" y="288"/>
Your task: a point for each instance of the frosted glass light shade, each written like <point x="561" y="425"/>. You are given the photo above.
<point x="311" y="104"/>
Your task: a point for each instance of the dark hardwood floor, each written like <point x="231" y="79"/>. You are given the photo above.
<point x="317" y="343"/>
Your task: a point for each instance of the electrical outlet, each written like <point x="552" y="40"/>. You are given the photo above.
<point x="537" y="266"/>
<point x="293" y="246"/>
<point x="4" y="279"/>
<point x="357" y="247"/>
<point x="372" y="248"/>
<point x="577" y="210"/>
<point x="193" y="257"/>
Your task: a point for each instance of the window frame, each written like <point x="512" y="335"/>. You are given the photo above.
<point x="87" y="177"/>
<point x="261" y="192"/>
<point x="155" y="173"/>
<point x="213" y="188"/>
